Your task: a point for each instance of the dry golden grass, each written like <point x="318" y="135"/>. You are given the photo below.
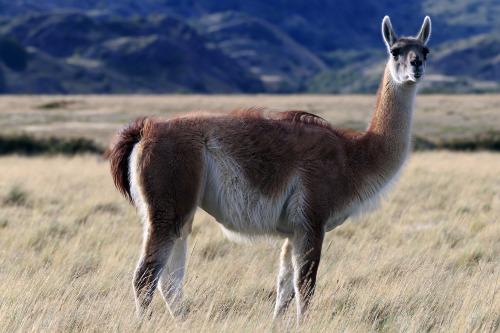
<point x="426" y="261"/>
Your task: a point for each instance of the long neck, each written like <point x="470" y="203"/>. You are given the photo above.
<point x="382" y="150"/>
<point x="391" y="123"/>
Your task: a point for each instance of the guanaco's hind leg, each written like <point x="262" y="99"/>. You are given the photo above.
<point x="167" y="171"/>
<point x="156" y="251"/>
<point x="284" y="292"/>
<point x="171" y="279"/>
<point x="306" y="253"/>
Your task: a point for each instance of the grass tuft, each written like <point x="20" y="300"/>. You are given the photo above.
<point x="16" y="196"/>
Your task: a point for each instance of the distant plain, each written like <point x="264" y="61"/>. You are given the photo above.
<point x="436" y="117"/>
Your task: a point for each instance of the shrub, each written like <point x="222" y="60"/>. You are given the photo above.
<point x="28" y="145"/>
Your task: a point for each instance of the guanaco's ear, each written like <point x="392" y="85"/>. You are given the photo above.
<point x="425" y="31"/>
<point x="388" y="33"/>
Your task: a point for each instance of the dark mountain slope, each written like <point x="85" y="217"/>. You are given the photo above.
<point x="280" y="62"/>
<point x="320" y="25"/>
<point x="160" y="54"/>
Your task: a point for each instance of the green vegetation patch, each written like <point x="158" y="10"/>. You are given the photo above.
<point x="27" y="145"/>
<point x="56" y="105"/>
<point x="489" y="141"/>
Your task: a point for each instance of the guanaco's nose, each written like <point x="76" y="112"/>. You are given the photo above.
<point x="417" y="62"/>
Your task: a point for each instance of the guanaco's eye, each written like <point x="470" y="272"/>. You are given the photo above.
<point x="426" y="52"/>
<point x="395" y="54"/>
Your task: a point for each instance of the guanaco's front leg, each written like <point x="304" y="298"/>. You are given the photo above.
<point x="306" y="254"/>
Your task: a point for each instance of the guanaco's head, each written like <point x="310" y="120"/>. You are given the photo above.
<point x="407" y="54"/>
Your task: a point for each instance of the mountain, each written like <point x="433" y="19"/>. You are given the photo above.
<point x="281" y="63"/>
<point x="317" y="24"/>
<point x="469" y="65"/>
<point x="76" y="53"/>
<point x="232" y="46"/>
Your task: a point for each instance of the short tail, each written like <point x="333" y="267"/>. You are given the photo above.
<point x="125" y="141"/>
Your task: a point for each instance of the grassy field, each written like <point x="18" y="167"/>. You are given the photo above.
<point x="427" y="260"/>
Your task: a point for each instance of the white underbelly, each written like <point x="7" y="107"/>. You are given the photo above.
<point x="242" y="209"/>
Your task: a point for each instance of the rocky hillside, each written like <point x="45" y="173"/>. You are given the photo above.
<point x="77" y="53"/>
<point x="104" y="46"/>
<point x="280" y="63"/>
